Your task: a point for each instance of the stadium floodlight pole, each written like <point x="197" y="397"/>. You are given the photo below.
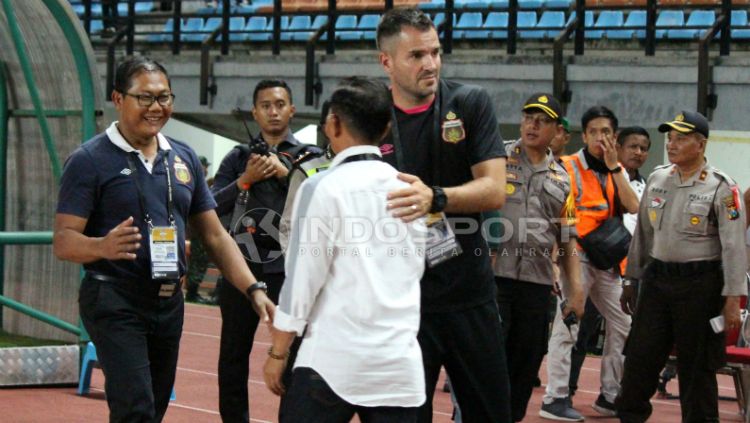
<point x="512" y="26"/>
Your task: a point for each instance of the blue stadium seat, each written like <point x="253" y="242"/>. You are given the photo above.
<point x="368" y="24"/>
<point x="236" y="23"/>
<point x="468" y="23"/>
<point x="498" y="4"/>
<point x="699" y="18"/>
<point x="549" y="25"/>
<point x="739" y="18"/>
<point x="190" y="30"/>
<point x="438" y="19"/>
<point x="318" y="22"/>
<point x="140" y="7"/>
<point x="588" y="22"/>
<point x="636" y="19"/>
<point x="257" y="23"/>
<point x="668" y="18"/>
<point x="166" y="36"/>
<point x="246" y="9"/>
<point x="96" y="9"/>
<point x="496" y="21"/>
<point x="527" y="20"/>
<point x="79" y="9"/>
<point x="558" y="4"/>
<point x="208" y="10"/>
<point x="96" y="26"/>
<point x="269" y="28"/>
<point x="530" y="4"/>
<point x="607" y="18"/>
<point x="344" y="24"/>
<point x="298" y="23"/>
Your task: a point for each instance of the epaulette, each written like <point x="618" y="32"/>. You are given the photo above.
<point x="724" y="176"/>
<point x="307" y="155"/>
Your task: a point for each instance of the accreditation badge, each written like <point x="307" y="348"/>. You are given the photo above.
<point x="164" y="253"/>
<point x="441" y="242"/>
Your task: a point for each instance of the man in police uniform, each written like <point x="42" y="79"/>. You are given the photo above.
<point x="444" y="137"/>
<point x="538" y="213"/>
<point x="688" y="252"/>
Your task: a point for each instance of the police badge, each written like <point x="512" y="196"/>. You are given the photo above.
<point x="453" y="129"/>
<point x="181" y="171"/>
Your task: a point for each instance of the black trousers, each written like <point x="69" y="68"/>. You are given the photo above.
<point x="310" y="399"/>
<point x="137" y="339"/>
<point x="238" y="324"/>
<point x="525" y="322"/>
<point x="674" y="310"/>
<point x="469" y="343"/>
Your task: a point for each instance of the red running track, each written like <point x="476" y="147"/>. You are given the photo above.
<point x="197" y="391"/>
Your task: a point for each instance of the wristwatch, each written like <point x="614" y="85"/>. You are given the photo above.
<point x="254" y="287"/>
<point x="628" y="282"/>
<point x="616" y="170"/>
<point x="439" y="200"/>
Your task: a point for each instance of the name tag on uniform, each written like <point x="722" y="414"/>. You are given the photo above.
<point x="163" y="242"/>
<point x="441" y="242"/>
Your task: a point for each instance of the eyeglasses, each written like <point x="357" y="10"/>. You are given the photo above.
<point x="538" y="119"/>
<point x="146" y="100"/>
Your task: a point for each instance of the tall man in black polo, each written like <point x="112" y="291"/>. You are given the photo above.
<point x="265" y="177"/>
<point x="445" y="139"/>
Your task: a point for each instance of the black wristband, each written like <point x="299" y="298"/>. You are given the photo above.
<point x="254" y="287"/>
<point x="615" y="170"/>
<point x="439" y="200"/>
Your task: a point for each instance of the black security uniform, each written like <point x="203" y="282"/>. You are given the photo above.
<point x="239" y="321"/>
<point x="136" y="331"/>
<point x="460" y="328"/>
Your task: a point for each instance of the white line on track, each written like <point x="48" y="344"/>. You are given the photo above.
<point x="672" y="403"/>
<point x="187" y="407"/>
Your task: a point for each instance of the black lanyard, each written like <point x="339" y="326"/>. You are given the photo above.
<point x="141" y="199"/>
<point x="361" y="157"/>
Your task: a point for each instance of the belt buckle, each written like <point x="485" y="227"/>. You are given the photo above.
<point x="166" y="290"/>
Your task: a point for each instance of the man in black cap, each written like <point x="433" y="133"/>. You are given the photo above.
<point x="688" y="253"/>
<point x="536" y="191"/>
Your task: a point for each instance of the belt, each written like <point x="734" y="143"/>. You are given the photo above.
<point x="163" y="289"/>
<point x="690" y="268"/>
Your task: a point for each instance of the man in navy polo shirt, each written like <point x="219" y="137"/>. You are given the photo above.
<point x="445" y="138"/>
<point x="125" y="198"/>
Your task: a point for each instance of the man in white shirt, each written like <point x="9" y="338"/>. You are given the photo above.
<point x="352" y="285"/>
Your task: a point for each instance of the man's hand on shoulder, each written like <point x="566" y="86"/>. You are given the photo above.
<point x="412" y="202"/>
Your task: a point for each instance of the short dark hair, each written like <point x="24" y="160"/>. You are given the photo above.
<point x="598" y="112"/>
<point x="632" y="130"/>
<point x="130" y="68"/>
<point x="394" y="20"/>
<point x="364" y="105"/>
<point x="271" y="83"/>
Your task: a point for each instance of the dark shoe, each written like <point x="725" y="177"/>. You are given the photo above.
<point x="560" y="410"/>
<point x="604" y="407"/>
<point x="447" y="386"/>
<point x="198" y="299"/>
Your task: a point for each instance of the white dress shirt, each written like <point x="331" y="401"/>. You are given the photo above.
<point x="352" y="278"/>
<point x="630" y="219"/>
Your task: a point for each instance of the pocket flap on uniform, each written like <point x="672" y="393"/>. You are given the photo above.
<point x="554" y="190"/>
<point x="699" y="209"/>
